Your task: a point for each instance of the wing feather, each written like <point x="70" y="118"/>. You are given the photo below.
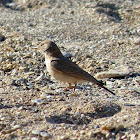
<point x="67" y="67"/>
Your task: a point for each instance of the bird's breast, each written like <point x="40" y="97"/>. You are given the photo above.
<point x="48" y="65"/>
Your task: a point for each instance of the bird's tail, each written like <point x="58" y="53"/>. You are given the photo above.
<point x="100" y="84"/>
<point x="107" y="89"/>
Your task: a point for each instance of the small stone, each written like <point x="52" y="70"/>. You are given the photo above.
<point x="2" y="37"/>
<point x="72" y="12"/>
<point x="11" y="5"/>
<point x="39" y="77"/>
<point x="90" y="134"/>
<point x="37" y="101"/>
<point x="137" y="42"/>
<point x="44" y="95"/>
<point x="16" y="126"/>
<point x="108" y="135"/>
<point x="82" y="132"/>
<point x="45" y="134"/>
<point x="73" y="138"/>
<point x="34" y="138"/>
<point x="120" y="127"/>
<point x="88" y="87"/>
<point x="62" y="13"/>
<point x="63" y="137"/>
<point x="59" y="91"/>
<point x="93" y="133"/>
<point x="35" y="132"/>
<point x="110" y="84"/>
<point x="124" y="137"/>
<point x="120" y="71"/>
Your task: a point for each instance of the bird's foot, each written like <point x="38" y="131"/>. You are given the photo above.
<point x="70" y="87"/>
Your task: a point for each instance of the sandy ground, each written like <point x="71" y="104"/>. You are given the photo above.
<point x="98" y="36"/>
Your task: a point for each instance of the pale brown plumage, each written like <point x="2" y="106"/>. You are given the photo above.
<point x="63" y="69"/>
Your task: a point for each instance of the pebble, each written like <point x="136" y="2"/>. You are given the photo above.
<point x="12" y="5"/>
<point x="88" y="87"/>
<point x="108" y="135"/>
<point x="110" y="84"/>
<point x="93" y="133"/>
<point x="30" y="85"/>
<point x="120" y="127"/>
<point x="63" y="138"/>
<point x="39" y="77"/>
<point x="35" y="132"/>
<point x="137" y="42"/>
<point x="124" y="137"/>
<point x="37" y="101"/>
<point x="59" y="91"/>
<point x="16" y="126"/>
<point x="82" y="132"/>
<point x="44" y="95"/>
<point x="90" y="133"/>
<point x="34" y="138"/>
<point x="45" y="134"/>
<point x="2" y="37"/>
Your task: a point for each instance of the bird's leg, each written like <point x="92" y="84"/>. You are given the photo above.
<point x="74" y="87"/>
<point x="70" y="87"/>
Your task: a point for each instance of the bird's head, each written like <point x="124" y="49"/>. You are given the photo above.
<point x="49" y="48"/>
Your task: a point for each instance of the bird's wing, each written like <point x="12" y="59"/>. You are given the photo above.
<point x="67" y="67"/>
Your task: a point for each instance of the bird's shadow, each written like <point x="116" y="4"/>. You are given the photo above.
<point x="108" y="9"/>
<point x="101" y="111"/>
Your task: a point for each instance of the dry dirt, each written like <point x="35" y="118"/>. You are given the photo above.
<point x="98" y="36"/>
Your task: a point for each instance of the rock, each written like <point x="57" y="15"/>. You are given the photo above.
<point x="120" y="71"/>
<point x="37" y="101"/>
<point x="44" y="95"/>
<point x="11" y="5"/>
<point x="137" y="42"/>
<point x="39" y="77"/>
<point x="93" y="133"/>
<point x="45" y="134"/>
<point x="124" y="137"/>
<point x="120" y="127"/>
<point x="2" y="37"/>
<point x="63" y="137"/>
<point x="35" y="132"/>
<point x="16" y="127"/>
<point x="34" y="138"/>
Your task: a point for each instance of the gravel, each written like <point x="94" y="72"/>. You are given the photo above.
<point x="99" y="36"/>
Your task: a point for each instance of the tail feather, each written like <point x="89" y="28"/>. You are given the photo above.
<point x="107" y="89"/>
<point x="101" y="85"/>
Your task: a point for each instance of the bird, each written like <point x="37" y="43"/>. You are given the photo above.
<point x="63" y="69"/>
